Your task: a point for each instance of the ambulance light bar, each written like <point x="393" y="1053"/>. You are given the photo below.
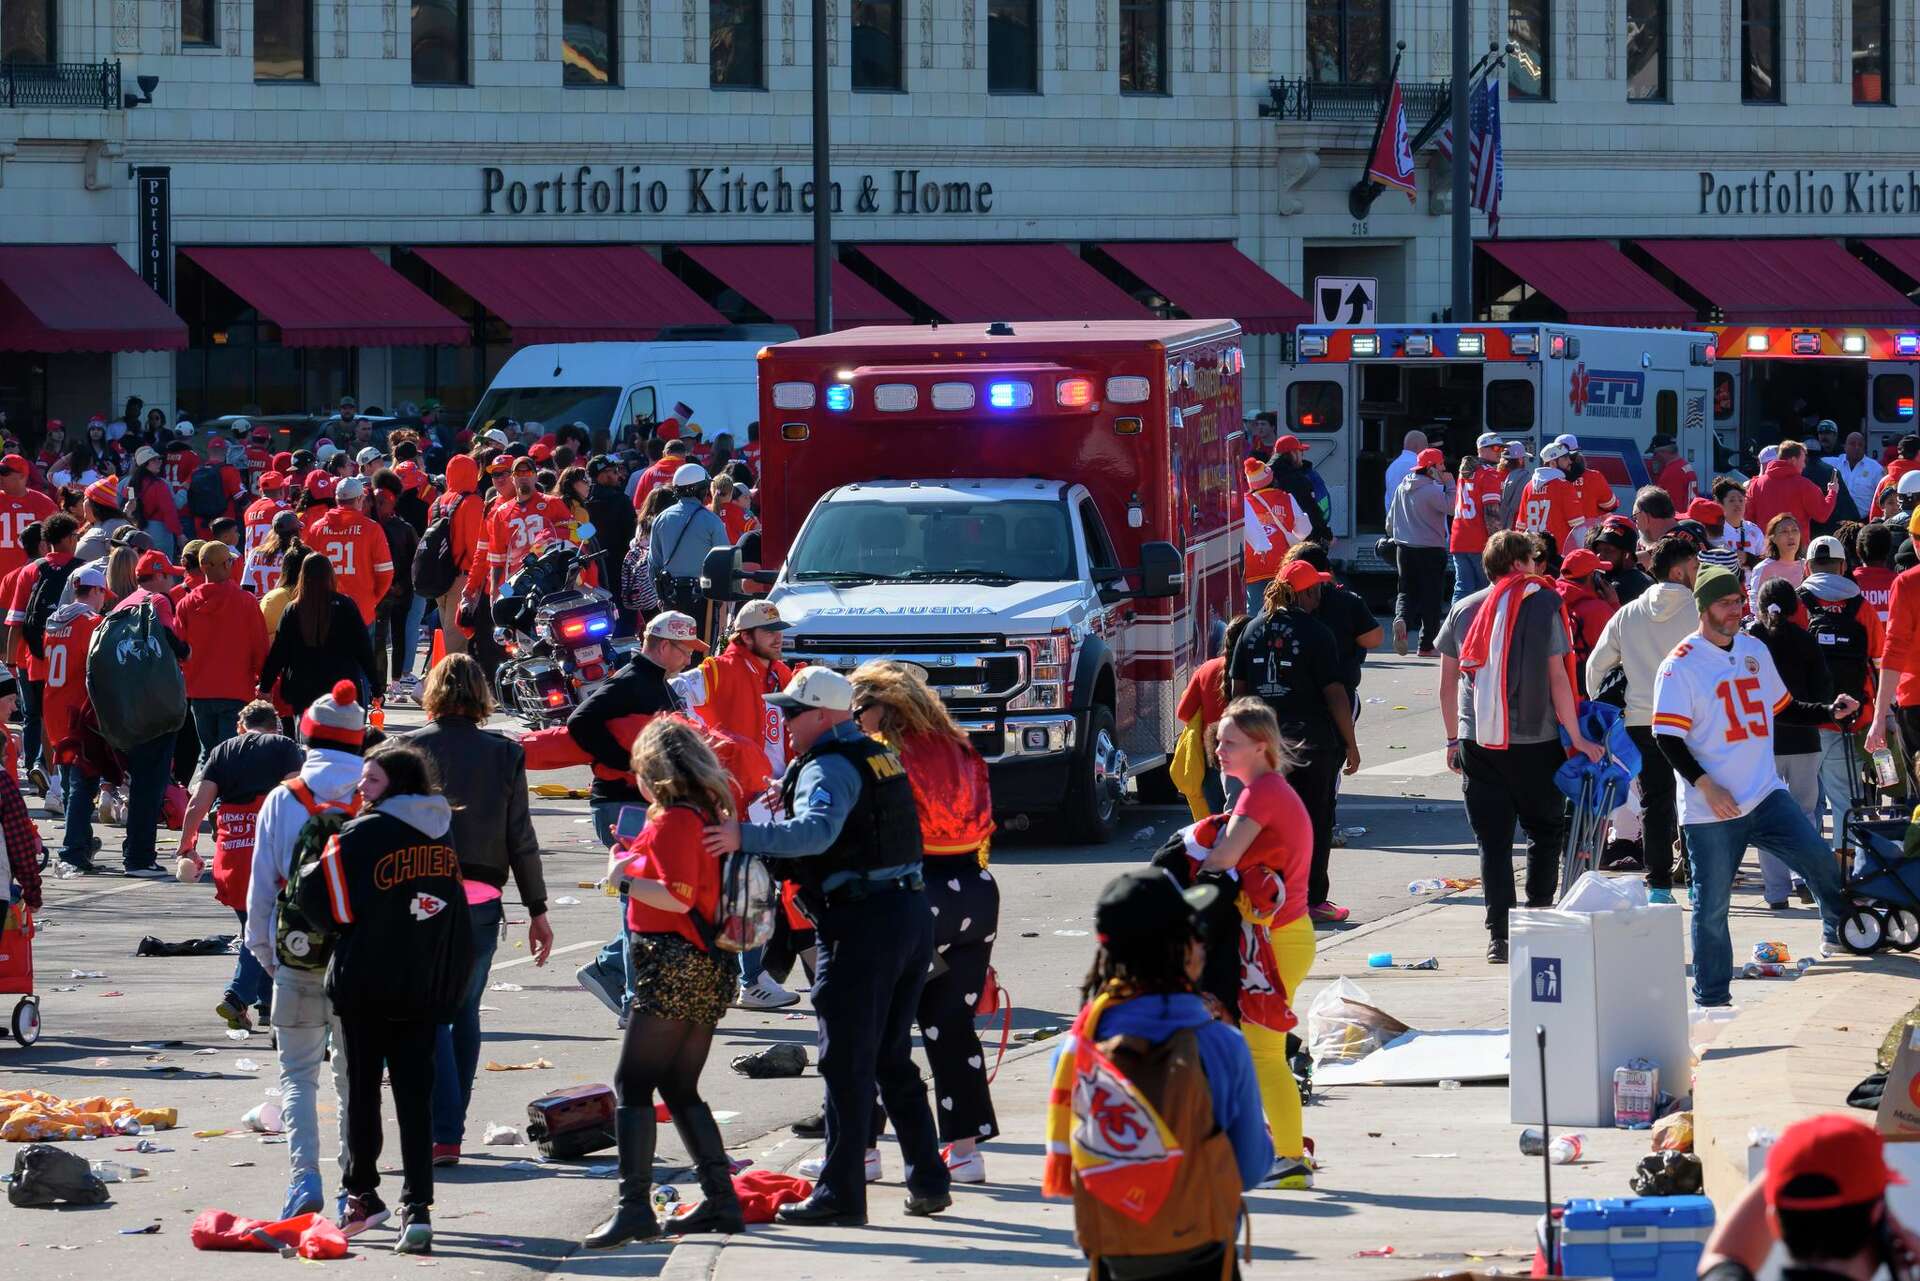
<point x="1310" y="345"/>
<point x="1476" y="345"/>
<point x="1073" y="393"/>
<point x="1903" y="408"/>
<point x="1009" y="395"/>
<point x="840" y="397"/>
<point x="896" y="398"/>
<point x="953" y="396"/>
<point x="1129" y="389"/>
<point x="1854" y="344"/>
<point x="1757" y="340"/>
<point x="1804" y="344"/>
<point x="793" y="395"/>
<point x="1366" y="344"/>
<point x="1906" y="344"/>
<point x="1418" y="345"/>
<point x="1527" y="344"/>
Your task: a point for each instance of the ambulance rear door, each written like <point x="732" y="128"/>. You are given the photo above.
<point x="1890" y="401"/>
<point x="1318" y="404"/>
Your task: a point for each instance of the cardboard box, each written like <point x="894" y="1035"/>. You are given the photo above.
<point x="1899" y="1114"/>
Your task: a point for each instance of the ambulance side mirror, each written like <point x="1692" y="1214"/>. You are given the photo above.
<point x="720" y="574"/>
<point x="1163" y="573"/>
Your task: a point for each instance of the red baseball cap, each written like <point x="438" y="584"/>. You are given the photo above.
<point x="1706" y="511"/>
<point x="1429" y="458"/>
<point x="151" y="563"/>
<point x="14" y="465"/>
<point x="320" y="485"/>
<point x="540" y="451"/>
<point x="1289" y="445"/>
<point x="1579" y="563"/>
<point x="1299" y="575"/>
<point x="1836" y="1148"/>
<point x="271" y="479"/>
<point x="283" y="463"/>
<point x="410" y="474"/>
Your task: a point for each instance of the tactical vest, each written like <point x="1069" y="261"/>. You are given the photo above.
<point x="883" y="829"/>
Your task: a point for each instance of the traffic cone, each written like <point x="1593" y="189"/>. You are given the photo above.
<point x="439" y="650"/>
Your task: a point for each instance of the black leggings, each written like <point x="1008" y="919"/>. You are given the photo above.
<point x="663" y="1056"/>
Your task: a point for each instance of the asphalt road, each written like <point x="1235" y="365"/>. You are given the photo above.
<point x="500" y="1213"/>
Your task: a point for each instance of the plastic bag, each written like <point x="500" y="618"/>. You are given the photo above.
<point x="310" y="1236"/>
<point x="1673" y="1133"/>
<point x="1343" y="1026"/>
<point x="784" y="1059"/>
<point x="44" y="1175"/>
<point x="1596" y="893"/>
<point x="1667" y="1174"/>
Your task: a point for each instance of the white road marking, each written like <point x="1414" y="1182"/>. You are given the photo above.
<point x="1421" y="766"/>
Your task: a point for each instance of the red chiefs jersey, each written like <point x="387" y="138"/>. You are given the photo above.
<point x="257" y="523"/>
<point x="15" y="515"/>
<point x="69" y="632"/>
<point x="513" y="527"/>
<point x="362" y="560"/>
<point x="1470" y="501"/>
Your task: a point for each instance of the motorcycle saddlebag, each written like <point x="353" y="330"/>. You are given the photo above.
<point x="572" y="1122"/>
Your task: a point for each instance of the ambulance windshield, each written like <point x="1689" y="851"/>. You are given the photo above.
<point x="968" y="541"/>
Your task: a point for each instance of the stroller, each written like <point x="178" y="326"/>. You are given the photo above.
<point x="1882" y="879"/>
<point x="16" y="969"/>
<point x="1595" y="788"/>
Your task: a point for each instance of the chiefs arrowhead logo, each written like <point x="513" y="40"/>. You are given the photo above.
<point x="425" y="907"/>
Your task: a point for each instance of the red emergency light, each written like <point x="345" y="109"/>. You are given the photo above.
<point x="1903" y="408"/>
<point x="1074" y="393"/>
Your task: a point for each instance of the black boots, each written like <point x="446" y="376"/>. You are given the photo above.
<point x="719" y="1211"/>
<point x="633" y="1218"/>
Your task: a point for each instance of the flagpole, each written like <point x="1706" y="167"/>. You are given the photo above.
<point x="1360" y="199"/>
<point x="1462" y="303"/>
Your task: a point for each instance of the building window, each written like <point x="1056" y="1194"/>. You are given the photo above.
<point x="1759" y="50"/>
<point x="1143" y="46"/>
<point x="1646" y="50"/>
<point x="1872" y="36"/>
<point x="440" y="42"/>
<point x="283" y="40"/>
<point x="1013" y="46"/>
<point x="877" y="61"/>
<point x="1347" y="41"/>
<point x="589" y="43"/>
<point x="200" y="22"/>
<point x="1530" y="30"/>
<point x="736" y="44"/>
<point x="26" y="31"/>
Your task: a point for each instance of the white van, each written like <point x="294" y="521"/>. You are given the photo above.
<point x="618" y="386"/>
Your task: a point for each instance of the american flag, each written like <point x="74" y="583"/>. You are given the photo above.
<point x="1485" y="165"/>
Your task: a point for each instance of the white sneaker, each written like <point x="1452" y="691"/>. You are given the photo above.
<point x="55" y="804"/>
<point x="1830" y="950"/>
<point x="971" y="1168"/>
<point x="765" y="993"/>
<point x="811" y="1167"/>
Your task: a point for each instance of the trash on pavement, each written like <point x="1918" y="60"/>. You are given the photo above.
<point x="665" y="1196"/>
<point x="565" y="900"/>
<point x="1533" y="1141"/>
<point x="114" y="1172"/>
<point x="1428" y="963"/>
<point x="246" y="1065"/>
<point x="1343" y="1025"/>
<point x="572" y="1122"/>
<point x="1673" y="1133"/>
<point x="211" y="1134"/>
<point x="502" y="1136"/>
<point x="1667" y="1174"/>
<point x="1380" y="960"/>
<point x="783" y="1060"/>
<point x="540" y="1064"/>
<point x="152" y="1229"/>
<point x="211" y="945"/>
<point x="88" y="974"/>
<point x="1416" y="1057"/>
<point x="309" y="1236"/>
<point x="29" y="1115"/>
<point x="1771" y="953"/>
<point x="44" y="1175"/>
<point x="1636" y="1091"/>
<point x="1070" y="934"/>
<point x="264" y="1118"/>
<point x="1144" y="834"/>
<point x="1566" y="1148"/>
<point x="1377" y="1252"/>
<point x="235" y="1034"/>
<point x="505" y="987"/>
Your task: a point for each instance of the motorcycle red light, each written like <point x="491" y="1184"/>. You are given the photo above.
<point x="556" y="698"/>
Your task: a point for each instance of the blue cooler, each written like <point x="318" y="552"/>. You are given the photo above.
<point x="1648" y="1238"/>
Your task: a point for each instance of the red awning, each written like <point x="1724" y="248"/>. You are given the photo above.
<point x="972" y="283"/>
<point x="333" y="297"/>
<point x="1210" y="278"/>
<point x="1783" y="282"/>
<point x="778" y="279"/>
<point x="1903" y="254"/>
<point x="1593" y="282"/>
<point x="80" y="298"/>
<point x="573" y="293"/>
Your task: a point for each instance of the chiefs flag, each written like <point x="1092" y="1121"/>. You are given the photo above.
<point x="1392" y="161"/>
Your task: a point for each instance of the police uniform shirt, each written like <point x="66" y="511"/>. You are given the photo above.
<point x="1289" y="658"/>
<point x="681" y="539"/>
<point x="823" y="796"/>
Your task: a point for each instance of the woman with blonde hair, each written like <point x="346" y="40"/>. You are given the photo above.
<point x="120" y="579"/>
<point x="894" y="702"/>
<point x="1270" y="830"/>
<point x="680" y="988"/>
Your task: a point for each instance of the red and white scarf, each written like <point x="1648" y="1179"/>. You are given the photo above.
<point x="1489" y="645"/>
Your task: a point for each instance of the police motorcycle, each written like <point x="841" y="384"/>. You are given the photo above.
<point x="558" y="633"/>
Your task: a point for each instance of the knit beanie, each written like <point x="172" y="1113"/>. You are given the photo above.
<point x="1713" y="583"/>
<point x="336" y="721"/>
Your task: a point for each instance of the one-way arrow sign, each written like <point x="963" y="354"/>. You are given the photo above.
<point x="1344" y="300"/>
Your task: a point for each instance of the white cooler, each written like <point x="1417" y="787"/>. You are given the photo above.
<point x="1608" y="987"/>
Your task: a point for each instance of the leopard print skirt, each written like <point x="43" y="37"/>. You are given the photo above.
<point x="673" y="979"/>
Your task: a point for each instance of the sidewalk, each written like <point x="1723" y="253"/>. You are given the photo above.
<point x="1436" y="1175"/>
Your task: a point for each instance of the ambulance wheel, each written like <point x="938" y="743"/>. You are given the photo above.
<point x="1093" y="798"/>
<point x="1903" y="929"/>
<point x="1863" y="931"/>
<point x="26" y="1020"/>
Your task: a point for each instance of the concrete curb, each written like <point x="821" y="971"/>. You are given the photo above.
<point x="1794" y="1056"/>
<point x="697" y="1258"/>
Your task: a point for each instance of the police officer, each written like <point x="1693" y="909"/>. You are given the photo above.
<point x="851" y="842"/>
<point x="680" y="540"/>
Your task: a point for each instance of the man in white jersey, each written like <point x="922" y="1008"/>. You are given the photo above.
<point x="1714" y="702"/>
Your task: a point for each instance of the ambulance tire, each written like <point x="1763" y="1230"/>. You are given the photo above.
<point x="1092" y="812"/>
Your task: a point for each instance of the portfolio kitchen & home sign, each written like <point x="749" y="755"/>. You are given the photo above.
<point x="719" y="190"/>
<point x="1794" y="193"/>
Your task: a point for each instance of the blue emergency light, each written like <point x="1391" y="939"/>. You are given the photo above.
<point x="1000" y="395"/>
<point x="840" y="397"/>
<point x="1907" y="344"/>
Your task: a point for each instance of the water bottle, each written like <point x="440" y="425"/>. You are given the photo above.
<point x="1566" y="1148"/>
<point x="1380" y="960"/>
<point x="114" y="1172"/>
<point x="1428" y="885"/>
<point x="1885" y="770"/>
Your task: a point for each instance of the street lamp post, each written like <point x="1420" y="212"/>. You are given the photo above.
<point x="1462" y="148"/>
<point x="823" y="180"/>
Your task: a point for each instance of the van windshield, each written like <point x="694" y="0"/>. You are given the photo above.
<point x="553" y="406"/>
<point x="977" y="541"/>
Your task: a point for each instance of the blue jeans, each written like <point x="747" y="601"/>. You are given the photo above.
<point x="752" y="964"/>
<point x="1469" y="575"/>
<point x="81" y="789"/>
<point x="162" y="537"/>
<point x="33" y="695"/>
<point x="1777" y="826"/>
<point x="250" y="985"/>
<point x="456" y="1050"/>
<point x="606" y="814"/>
<point x="149" y="770"/>
<point x="1839" y="779"/>
<point x="406" y="637"/>
<point x="215" y="720"/>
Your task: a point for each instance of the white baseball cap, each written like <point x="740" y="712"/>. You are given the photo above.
<point x="1554" y="452"/>
<point x="814" y="688"/>
<point x="1571" y="441"/>
<point x="183" y="429"/>
<point x="759" y="613"/>
<point x="144" y="455"/>
<point x="1516" y="449"/>
<point x="677" y="627"/>
<point x="1769" y="453"/>
<point x="1489" y="440"/>
<point x="497" y="436"/>
<point x="349" y="489"/>
<point x="368" y="455"/>
<point x="1826" y="547"/>
<point x="91" y="574"/>
<point x="689" y="474"/>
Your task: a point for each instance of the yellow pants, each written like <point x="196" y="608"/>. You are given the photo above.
<point x="1279" y="1093"/>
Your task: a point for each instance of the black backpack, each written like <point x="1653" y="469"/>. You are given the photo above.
<point x="1837" y="628"/>
<point x="207" y="492"/>
<point x="43" y="601"/>
<point x="434" y="567"/>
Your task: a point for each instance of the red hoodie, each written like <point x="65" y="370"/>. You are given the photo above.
<point x="1588" y="616"/>
<point x="1895" y="470"/>
<point x="227" y="637"/>
<point x="1779" y="489"/>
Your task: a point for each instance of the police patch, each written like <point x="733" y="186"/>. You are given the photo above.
<point x="819" y="799"/>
